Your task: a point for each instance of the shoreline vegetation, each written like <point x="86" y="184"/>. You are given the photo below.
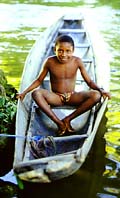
<point x="8" y="108"/>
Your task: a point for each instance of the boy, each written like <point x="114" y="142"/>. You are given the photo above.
<point x="63" y="69"/>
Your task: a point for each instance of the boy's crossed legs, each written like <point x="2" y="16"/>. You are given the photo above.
<point x="83" y="100"/>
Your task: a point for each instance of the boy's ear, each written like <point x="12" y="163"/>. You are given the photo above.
<point x="54" y="49"/>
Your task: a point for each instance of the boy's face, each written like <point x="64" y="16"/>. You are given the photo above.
<point x="64" y="51"/>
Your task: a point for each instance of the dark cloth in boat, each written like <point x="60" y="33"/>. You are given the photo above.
<point x="65" y="97"/>
<point x="43" y="147"/>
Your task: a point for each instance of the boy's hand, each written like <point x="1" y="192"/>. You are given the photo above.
<point x="106" y="94"/>
<point x="20" y="96"/>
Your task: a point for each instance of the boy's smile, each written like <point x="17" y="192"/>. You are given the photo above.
<point x="64" y="51"/>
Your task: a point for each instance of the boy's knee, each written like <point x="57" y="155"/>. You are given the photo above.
<point x="34" y="94"/>
<point x="97" y="96"/>
<point x="38" y="93"/>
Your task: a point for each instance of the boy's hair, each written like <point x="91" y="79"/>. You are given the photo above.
<point x="64" y="38"/>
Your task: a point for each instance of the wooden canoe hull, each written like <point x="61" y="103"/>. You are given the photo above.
<point x="71" y="151"/>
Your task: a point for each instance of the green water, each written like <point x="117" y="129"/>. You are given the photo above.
<point x="21" y="22"/>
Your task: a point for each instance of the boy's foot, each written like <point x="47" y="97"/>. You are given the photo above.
<point x="69" y="128"/>
<point x="62" y="130"/>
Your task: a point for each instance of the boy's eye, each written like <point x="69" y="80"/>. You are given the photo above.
<point x="67" y="51"/>
<point x="60" y="51"/>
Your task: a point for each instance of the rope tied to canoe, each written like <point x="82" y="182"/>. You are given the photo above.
<point x="43" y="147"/>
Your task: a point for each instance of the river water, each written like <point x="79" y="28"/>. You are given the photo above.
<point x="21" y="22"/>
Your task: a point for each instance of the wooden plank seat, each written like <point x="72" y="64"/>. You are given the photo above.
<point x="72" y="31"/>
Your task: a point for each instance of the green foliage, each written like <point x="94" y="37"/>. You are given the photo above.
<point x="7" y="103"/>
<point x="8" y="109"/>
<point x="7" y="113"/>
<point x="3" y="80"/>
<point x="7" y="118"/>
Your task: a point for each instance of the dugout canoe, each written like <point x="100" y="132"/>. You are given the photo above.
<point x="41" y="156"/>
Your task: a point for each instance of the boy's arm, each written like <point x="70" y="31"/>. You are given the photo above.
<point x="104" y="93"/>
<point x="35" y="83"/>
<point x="90" y="82"/>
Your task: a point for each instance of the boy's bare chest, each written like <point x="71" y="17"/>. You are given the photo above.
<point x="64" y="71"/>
